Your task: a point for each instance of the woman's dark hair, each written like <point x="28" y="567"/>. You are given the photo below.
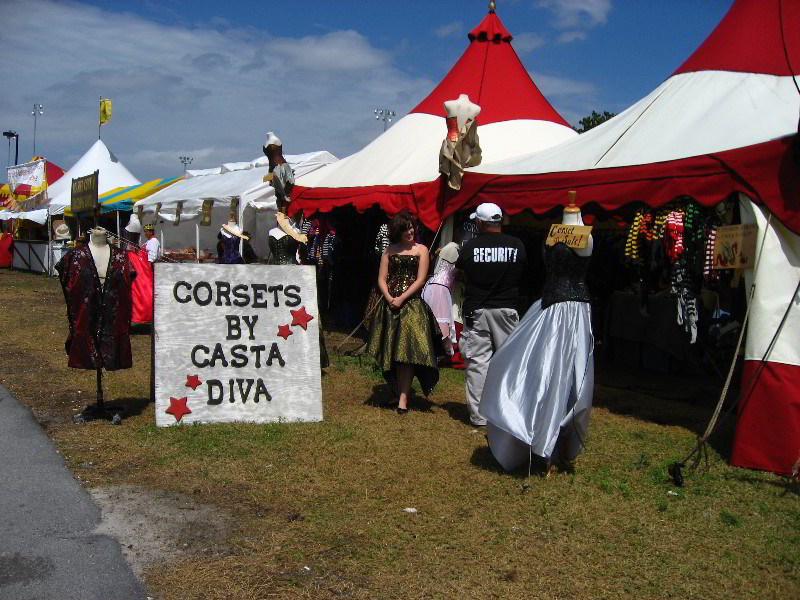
<point x="399" y="224"/>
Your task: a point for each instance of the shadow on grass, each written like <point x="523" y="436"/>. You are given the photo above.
<point x="457" y="411"/>
<point x="381" y="397"/>
<point x="483" y="459"/>
<point x="124" y="407"/>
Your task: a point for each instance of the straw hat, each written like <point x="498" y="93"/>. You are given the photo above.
<point x="62" y="232"/>
<point x="134" y="225"/>
<point x="232" y="228"/>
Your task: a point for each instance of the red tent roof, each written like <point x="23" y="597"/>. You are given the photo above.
<point x="493" y="77"/>
<point x="756" y="36"/>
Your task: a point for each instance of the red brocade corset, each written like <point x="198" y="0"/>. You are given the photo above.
<point x="452" y="128"/>
<point x="99" y="315"/>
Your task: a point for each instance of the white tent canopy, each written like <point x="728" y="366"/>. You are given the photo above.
<point x="413" y="144"/>
<point x="690" y="114"/>
<point x="243" y="181"/>
<point x="112" y="174"/>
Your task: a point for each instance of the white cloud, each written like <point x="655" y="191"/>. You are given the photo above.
<point x="572" y="98"/>
<point x="571" y="36"/>
<point x="570" y="14"/>
<point x="552" y="85"/>
<point x="200" y="91"/>
<point x="525" y="42"/>
<point x="450" y="30"/>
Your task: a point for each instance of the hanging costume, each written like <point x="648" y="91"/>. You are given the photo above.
<point x="142" y="289"/>
<point x="460" y="149"/>
<point x="538" y="390"/>
<point x="436" y="294"/>
<point x="99" y="315"/>
<point x="404" y="335"/>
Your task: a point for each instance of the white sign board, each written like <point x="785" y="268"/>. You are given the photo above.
<point x="236" y="343"/>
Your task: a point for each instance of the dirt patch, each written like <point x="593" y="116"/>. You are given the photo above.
<point x="155" y="527"/>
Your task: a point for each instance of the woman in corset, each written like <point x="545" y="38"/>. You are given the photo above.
<point x="401" y="339"/>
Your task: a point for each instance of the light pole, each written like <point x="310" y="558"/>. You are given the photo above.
<point x="186" y="160"/>
<point x="15" y="135"/>
<point x="37" y="110"/>
<point x="384" y="114"/>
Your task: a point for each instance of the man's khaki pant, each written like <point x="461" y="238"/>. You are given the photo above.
<point x="490" y="328"/>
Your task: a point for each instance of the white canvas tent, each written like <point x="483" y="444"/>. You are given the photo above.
<point x="242" y="181"/>
<point x="400" y="169"/>
<point x="725" y="121"/>
<point x="112" y="174"/>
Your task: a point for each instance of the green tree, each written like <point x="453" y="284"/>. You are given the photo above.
<point x="593" y="120"/>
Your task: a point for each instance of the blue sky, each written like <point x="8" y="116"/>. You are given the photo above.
<point x="209" y="79"/>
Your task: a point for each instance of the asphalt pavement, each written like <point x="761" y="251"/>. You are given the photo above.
<point x="48" y="546"/>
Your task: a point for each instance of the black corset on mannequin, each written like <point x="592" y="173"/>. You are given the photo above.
<point x="282" y="251"/>
<point x="566" y="275"/>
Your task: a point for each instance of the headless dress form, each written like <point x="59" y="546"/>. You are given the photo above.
<point x="101" y="251"/>
<point x="538" y="391"/>
<point x="461" y="148"/>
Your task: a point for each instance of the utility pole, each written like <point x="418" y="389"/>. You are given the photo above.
<point x="384" y="114"/>
<point x="186" y="160"/>
<point x="37" y="110"/>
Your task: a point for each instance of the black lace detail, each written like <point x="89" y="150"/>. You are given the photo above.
<point x="566" y="276"/>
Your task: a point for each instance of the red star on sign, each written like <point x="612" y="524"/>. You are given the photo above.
<point x="284" y="331"/>
<point x="177" y="408"/>
<point x="301" y="317"/>
<point x="193" y="381"/>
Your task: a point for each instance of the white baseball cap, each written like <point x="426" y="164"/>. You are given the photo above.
<point x="488" y="212"/>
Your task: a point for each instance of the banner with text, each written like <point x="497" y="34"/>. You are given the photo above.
<point x="236" y="343"/>
<point x="32" y="174"/>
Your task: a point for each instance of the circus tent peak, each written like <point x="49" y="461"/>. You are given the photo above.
<point x="515" y="118"/>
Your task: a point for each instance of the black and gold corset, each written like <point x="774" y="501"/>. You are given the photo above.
<point x="402" y="272"/>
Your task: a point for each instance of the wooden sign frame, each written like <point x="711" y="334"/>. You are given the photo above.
<point x="83" y="195"/>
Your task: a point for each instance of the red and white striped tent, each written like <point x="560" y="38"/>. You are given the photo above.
<point x="725" y="121"/>
<point x="399" y="169"/>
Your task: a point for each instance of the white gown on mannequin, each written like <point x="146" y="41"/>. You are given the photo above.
<point x="538" y="391"/>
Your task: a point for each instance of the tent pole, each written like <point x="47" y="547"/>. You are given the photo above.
<point x="117" y="223"/>
<point x="197" y="240"/>
<point x="49" y="243"/>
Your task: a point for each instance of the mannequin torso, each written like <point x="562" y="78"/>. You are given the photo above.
<point x="462" y="109"/>
<point x="101" y="251"/>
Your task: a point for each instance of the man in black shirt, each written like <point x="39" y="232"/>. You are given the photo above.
<point x="492" y="263"/>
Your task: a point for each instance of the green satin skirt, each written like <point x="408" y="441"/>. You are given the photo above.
<point x="404" y="336"/>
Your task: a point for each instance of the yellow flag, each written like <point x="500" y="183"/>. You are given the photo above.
<point x="105" y="110"/>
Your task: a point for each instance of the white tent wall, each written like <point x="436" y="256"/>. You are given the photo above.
<point x="776" y="280"/>
<point x="184" y="235"/>
<point x="243" y="181"/>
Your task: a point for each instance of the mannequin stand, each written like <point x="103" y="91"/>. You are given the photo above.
<point x="98" y="410"/>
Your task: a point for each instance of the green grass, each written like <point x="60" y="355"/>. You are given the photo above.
<point x="330" y="496"/>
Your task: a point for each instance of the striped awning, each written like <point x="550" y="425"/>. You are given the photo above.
<point x="123" y="198"/>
